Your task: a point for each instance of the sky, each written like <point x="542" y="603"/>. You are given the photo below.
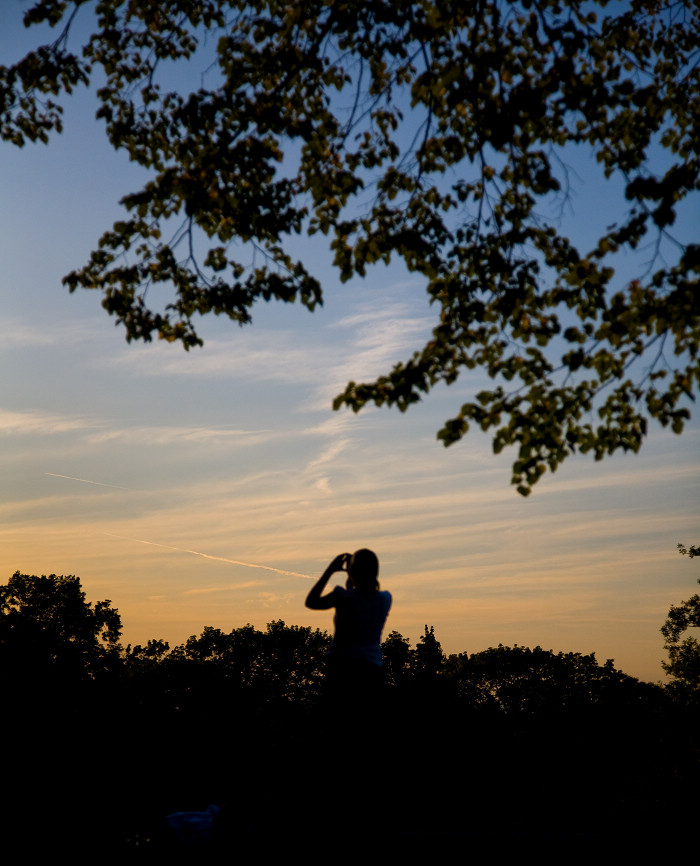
<point x="211" y="487"/>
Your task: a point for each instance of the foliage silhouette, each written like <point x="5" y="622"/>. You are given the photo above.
<point x="436" y="134"/>
<point x="683" y="653"/>
<point x="522" y="681"/>
<point x="235" y="718"/>
<point x="429" y="655"/>
<point x="398" y="659"/>
<point x="60" y="667"/>
<point x="690" y="552"/>
<point x="49" y="630"/>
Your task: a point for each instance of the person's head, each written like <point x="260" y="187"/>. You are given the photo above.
<point x="363" y="569"/>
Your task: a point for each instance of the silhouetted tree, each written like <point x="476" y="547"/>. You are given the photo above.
<point x="520" y="680"/>
<point x="49" y="631"/>
<point x="429" y="655"/>
<point x="232" y="718"/>
<point x="60" y="659"/>
<point x="398" y="660"/>
<point x="295" y="659"/>
<point x="281" y="663"/>
<point x="683" y="652"/>
<point x="433" y="134"/>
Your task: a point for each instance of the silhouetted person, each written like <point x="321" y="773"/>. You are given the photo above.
<point x="355" y="671"/>
<point x="354" y="685"/>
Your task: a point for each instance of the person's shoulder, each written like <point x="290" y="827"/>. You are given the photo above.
<point x="386" y="597"/>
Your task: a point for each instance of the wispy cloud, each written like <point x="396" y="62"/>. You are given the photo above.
<point x="371" y="343"/>
<point x="42" y="423"/>
<point x="23" y="333"/>
<point x="328" y="454"/>
<point x="254" y="356"/>
<point x="358" y="346"/>
<point x="182" y="435"/>
<point x="338" y="423"/>
<point x="274" y="599"/>
<point x="103" y="431"/>
<point x="20" y="334"/>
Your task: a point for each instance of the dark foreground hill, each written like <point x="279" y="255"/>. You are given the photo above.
<point x="509" y="750"/>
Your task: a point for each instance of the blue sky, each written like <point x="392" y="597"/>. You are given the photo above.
<point x="233" y="451"/>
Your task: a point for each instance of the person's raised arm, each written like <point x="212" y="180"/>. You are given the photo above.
<point x="314" y="599"/>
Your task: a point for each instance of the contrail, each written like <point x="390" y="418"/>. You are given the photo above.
<point x="209" y="556"/>
<point x="85" y="480"/>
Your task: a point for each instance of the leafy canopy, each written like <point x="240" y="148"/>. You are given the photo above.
<point x="683" y="651"/>
<point x="45" y="622"/>
<point x="518" y="679"/>
<point x="436" y="134"/>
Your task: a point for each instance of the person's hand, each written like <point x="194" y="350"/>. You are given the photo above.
<point x="340" y="563"/>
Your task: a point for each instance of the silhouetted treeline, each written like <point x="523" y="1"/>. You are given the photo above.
<point x="102" y="741"/>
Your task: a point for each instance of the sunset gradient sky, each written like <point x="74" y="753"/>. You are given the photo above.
<point x="210" y="487"/>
